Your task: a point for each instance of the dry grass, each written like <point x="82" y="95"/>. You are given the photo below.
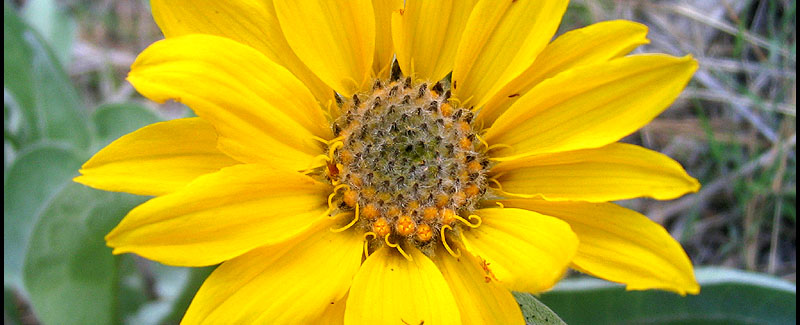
<point x="734" y="127"/>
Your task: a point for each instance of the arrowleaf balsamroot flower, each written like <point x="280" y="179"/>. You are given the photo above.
<point x="389" y="161"/>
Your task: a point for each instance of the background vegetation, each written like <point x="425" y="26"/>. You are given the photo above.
<point x="733" y="128"/>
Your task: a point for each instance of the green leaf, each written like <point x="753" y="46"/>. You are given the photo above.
<point x="134" y="288"/>
<point x="69" y="272"/>
<point x="53" y="22"/>
<point x="726" y="297"/>
<point x="11" y="315"/>
<point x="176" y="286"/>
<point x="534" y="311"/>
<point x="115" y="120"/>
<point x="32" y="75"/>
<point x="30" y="185"/>
<point x="181" y="303"/>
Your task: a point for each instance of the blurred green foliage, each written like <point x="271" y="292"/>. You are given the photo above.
<point x="727" y="297"/>
<point x="56" y="267"/>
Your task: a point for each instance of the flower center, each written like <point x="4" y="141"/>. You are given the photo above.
<point x="409" y="163"/>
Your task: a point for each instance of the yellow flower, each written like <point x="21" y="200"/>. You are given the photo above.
<point x="335" y="183"/>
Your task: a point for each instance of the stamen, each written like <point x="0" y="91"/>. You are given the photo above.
<point x="444" y="241"/>
<point x="323" y="141"/>
<point x="333" y="147"/>
<point x="311" y="166"/>
<point x="467" y="223"/>
<point x="399" y="249"/>
<point x="496" y="182"/>
<point x="329" y="111"/>
<point x="335" y="189"/>
<point x="525" y="196"/>
<point x="349" y="224"/>
<point x="464" y="102"/>
<point x="366" y="242"/>
<point x="501" y="205"/>
<point x="504" y="158"/>
<point x="339" y="138"/>
<point x="384" y="69"/>
<point x="354" y="82"/>
<point x="336" y="216"/>
<point x="480" y="127"/>
<point x="455" y="101"/>
<point x="482" y="141"/>
<point x="498" y="145"/>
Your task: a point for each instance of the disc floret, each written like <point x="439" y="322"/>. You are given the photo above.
<point x="410" y="160"/>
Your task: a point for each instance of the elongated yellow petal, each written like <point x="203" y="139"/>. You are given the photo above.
<point x="292" y="283"/>
<point x="596" y="43"/>
<point x="590" y="106"/>
<point x="503" y="39"/>
<point x="615" y="172"/>
<point x="336" y="39"/>
<point x="384" y="50"/>
<point x="481" y="300"/>
<point x="333" y="314"/>
<point x="426" y="35"/>
<point x="157" y="159"/>
<point x="390" y="289"/>
<point x="222" y="215"/>
<point x="526" y="251"/>
<point x="621" y="245"/>
<point x="261" y="112"/>
<point x="248" y="22"/>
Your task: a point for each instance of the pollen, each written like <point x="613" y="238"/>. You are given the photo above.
<point x="441" y="200"/>
<point x="474" y="166"/>
<point x="472" y="190"/>
<point x="430" y="213"/>
<point x="370" y="211"/>
<point x="465" y="143"/>
<point x="446" y="110"/>
<point x="350" y="198"/>
<point x="448" y="216"/>
<point x="381" y="227"/>
<point x="407" y="156"/>
<point x="405" y="226"/>
<point x="424" y="233"/>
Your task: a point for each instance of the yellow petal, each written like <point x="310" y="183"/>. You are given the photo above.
<point x="292" y="283"/>
<point x="384" y="50"/>
<point x="222" y="215"/>
<point x="261" y="112"/>
<point x="390" y="289"/>
<point x="596" y="43"/>
<point x="590" y="106"/>
<point x="248" y="22"/>
<point x="157" y="159"/>
<point x="481" y="300"/>
<point x="336" y="39"/>
<point x="615" y="172"/>
<point x="333" y="314"/>
<point x="526" y="251"/>
<point x="503" y="39"/>
<point x="621" y="245"/>
<point x="426" y="35"/>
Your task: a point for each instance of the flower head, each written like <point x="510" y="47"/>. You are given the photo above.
<point x="362" y="162"/>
